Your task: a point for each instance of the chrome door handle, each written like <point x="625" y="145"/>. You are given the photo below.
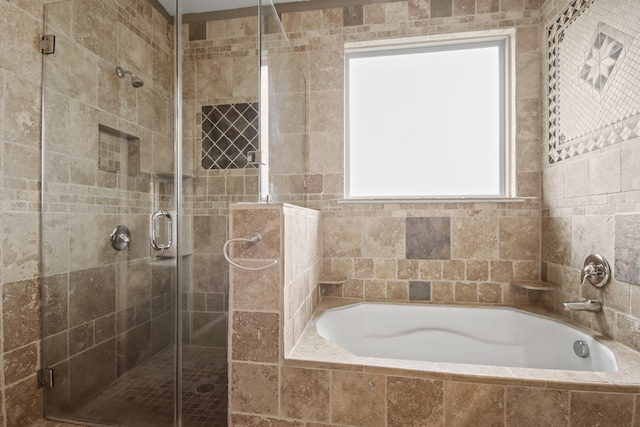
<point x="154" y="230"/>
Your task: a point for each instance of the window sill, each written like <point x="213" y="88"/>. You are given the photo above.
<point x="418" y="200"/>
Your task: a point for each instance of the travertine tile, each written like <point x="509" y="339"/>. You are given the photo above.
<point x="413" y="401"/>
<point x="519" y="238"/>
<point x="473" y="404"/>
<point x="357" y="399"/>
<point x="255" y="336"/>
<point x="534" y="406"/>
<point x="20" y="364"/>
<point x="253" y="388"/>
<point x="24" y="403"/>
<point x="383" y="237"/>
<point x="304" y="393"/>
<point x="21" y="321"/>
<point x="601" y="409"/>
<point x="474" y="238"/>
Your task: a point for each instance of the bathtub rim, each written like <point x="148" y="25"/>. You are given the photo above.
<point x="312" y="350"/>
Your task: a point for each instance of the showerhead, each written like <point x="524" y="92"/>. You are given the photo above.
<point x="135" y="80"/>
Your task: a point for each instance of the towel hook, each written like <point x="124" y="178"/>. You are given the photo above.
<point x="254" y="239"/>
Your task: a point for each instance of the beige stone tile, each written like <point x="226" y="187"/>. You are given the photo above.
<point x="395" y="12"/>
<point x="357" y="399"/>
<point x="605" y="172"/>
<point x="556" y="240"/>
<point x="385" y="269"/>
<point x="474" y="238"/>
<point x="519" y="238"/>
<point x="92" y="294"/>
<point x="253" y="388"/>
<point x="289" y="112"/>
<point x="245" y="77"/>
<point x="490" y="293"/>
<point x="133" y="283"/>
<point x="24" y="403"/>
<point x="326" y="111"/>
<point x="20" y="364"/>
<point x="442" y="292"/>
<point x="214" y="78"/>
<point x="553" y="183"/>
<point x="414" y="401"/>
<point x="242" y="420"/>
<point x="20" y="56"/>
<point x="22" y="103"/>
<point x="408" y="269"/>
<point x="501" y="271"/>
<point x="20" y="246"/>
<point x="287" y="154"/>
<point x="576" y="178"/>
<point x="592" y="234"/>
<point x="73" y="72"/>
<point x="630" y="179"/>
<point x="375" y="289"/>
<point x="473" y="404"/>
<point x="304" y="393"/>
<point x="397" y="290"/>
<point x="431" y="270"/>
<point x="353" y="289"/>
<point x="536" y="406"/>
<point x="601" y="409"/>
<point x="419" y="9"/>
<point x="327" y="70"/>
<point x="466" y="292"/>
<point x="383" y="237"/>
<point x="341" y="237"/>
<point x="326" y="150"/>
<point x="264" y="221"/>
<point x="477" y="270"/>
<point x="464" y="7"/>
<point x="85" y="379"/>
<point x="373" y="14"/>
<point x="528" y="72"/>
<point x="92" y="33"/>
<point x="256" y="290"/>
<point x="255" y="336"/>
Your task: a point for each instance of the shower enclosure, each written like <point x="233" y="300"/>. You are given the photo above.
<point x="151" y="125"/>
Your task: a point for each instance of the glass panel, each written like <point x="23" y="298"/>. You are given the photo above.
<point x="108" y="297"/>
<point x="285" y="103"/>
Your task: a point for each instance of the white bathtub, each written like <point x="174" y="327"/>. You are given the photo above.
<point x="499" y="336"/>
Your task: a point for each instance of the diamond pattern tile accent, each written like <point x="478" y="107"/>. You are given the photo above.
<point x="593" y="92"/>
<point x="229" y="132"/>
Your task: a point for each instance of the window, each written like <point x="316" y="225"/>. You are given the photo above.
<point x="428" y="119"/>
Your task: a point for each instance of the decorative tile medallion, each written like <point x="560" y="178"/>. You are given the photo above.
<point x="229" y="132"/>
<point x="593" y="92"/>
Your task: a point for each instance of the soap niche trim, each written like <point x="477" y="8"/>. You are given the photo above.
<point x="118" y="151"/>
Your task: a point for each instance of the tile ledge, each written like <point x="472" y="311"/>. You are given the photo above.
<point x="436" y="200"/>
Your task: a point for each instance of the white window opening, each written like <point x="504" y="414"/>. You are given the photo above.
<point x="428" y="119"/>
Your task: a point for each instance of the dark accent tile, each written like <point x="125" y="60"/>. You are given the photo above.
<point x="428" y="238"/>
<point x="229" y="132"/>
<point x="352" y="16"/>
<point x="441" y="8"/>
<point x="419" y="291"/>
<point x="197" y="31"/>
<point x="627" y="262"/>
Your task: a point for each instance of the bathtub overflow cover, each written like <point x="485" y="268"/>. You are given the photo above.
<point x="581" y="349"/>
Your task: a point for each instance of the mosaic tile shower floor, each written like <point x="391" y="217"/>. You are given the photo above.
<point x="144" y="396"/>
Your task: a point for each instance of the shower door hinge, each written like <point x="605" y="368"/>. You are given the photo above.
<point x="45" y="378"/>
<point x="47" y="44"/>
<point x="256" y="158"/>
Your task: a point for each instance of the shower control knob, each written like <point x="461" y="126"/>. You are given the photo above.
<point x="120" y="237"/>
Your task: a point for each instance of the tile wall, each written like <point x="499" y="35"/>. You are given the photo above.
<point x="591" y="193"/>
<point x="453" y="252"/>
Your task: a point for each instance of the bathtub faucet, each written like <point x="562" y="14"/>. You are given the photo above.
<point x="593" y="305"/>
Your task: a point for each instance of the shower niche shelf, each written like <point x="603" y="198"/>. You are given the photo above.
<point x="534" y="285"/>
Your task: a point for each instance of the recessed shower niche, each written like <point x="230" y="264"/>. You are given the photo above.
<point x="119" y="152"/>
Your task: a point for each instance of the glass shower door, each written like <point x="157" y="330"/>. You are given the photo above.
<point x="108" y="223"/>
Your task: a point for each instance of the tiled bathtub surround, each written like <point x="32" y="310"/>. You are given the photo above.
<point x="591" y="199"/>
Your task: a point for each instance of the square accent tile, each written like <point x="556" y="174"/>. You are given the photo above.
<point x="229" y="133"/>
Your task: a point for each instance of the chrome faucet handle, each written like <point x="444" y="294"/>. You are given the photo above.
<point x="596" y="271"/>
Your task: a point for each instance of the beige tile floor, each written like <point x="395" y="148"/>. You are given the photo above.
<point x="144" y="396"/>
